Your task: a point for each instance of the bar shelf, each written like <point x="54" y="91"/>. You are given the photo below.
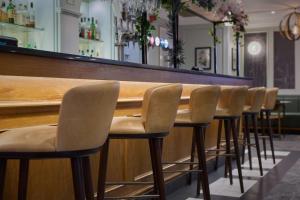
<point x="19" y="28"/>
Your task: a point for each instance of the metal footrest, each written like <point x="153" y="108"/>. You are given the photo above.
<point x="180" y="171"/>
<point x="231" y="155"/>
<point x="129" y="183"/>
<point x="180" y="163"/>
<point x="135" y="197"/>
<point x="252" y="145"/>
<point x="213" y="150"/>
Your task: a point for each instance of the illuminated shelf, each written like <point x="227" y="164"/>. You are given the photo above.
<point x="88" y="41"/>
<point x="18" y="28"/>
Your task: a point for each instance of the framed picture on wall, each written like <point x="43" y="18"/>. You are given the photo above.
<point x="203" y="58"/>
<point x="233" y="59"/>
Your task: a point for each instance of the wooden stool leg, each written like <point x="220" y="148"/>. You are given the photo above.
<point x="254" y="121"/>
<point x="155" y="145"/>
<point x="193" y="149"/>
<point x="202" y="162"/>
<point x="78" y="180"/>
<point x="228" y="149"/>
<point x="3" y="163"/>
<point x="263" y="133"/>
<point x="89" y="190"/>
<point x="237" y="153"/>
<point x="218" y="143"/>
<point x="153" y="164"/>
<point x="23" y="179"/>
<point x="247" y="131"/>
<point x="244" y="141"/>
<point x="271" y="135"/>
<point x="102" y="170"/>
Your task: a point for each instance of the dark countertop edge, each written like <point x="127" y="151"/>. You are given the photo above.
<point x="49" y="54"/>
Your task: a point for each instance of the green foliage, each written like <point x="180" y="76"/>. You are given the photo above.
<point x="144" y="29"/>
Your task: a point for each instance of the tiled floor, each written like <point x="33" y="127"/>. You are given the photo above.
<point x="280" y="181"/>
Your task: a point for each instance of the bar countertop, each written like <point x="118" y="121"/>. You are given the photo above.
<point x="71" y="57"/>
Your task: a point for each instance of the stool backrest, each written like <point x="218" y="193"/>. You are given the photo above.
<point x="270" y="98"/>
<point x="203" y="103"/>
<point x="160" y="106"/>
<point x="85" y="116"/>
<point x="233" y="99"/>
<point x="255" y="98"/>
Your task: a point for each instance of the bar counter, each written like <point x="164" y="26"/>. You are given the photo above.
<point x="32" y="86"/>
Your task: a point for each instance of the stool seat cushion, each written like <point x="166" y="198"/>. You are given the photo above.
<point x="222" y="112"/>
<point x="127" y="125"/>
<point x="247" y="109"/>
<point x="29" y="139"/>
<point x="183" y="116"/>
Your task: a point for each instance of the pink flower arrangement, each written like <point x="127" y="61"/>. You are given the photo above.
<point x="232" y="11"/>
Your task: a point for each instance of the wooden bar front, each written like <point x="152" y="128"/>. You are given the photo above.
<point x="31" y="89"/>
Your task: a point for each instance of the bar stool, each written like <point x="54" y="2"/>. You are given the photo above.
<point x="202" y="108"/>
<point x="84" y="120"/>
<point x="229" y="112"/>
<point x="267" y="108"/>
<point x="254" y="102"/>
<point x="158" y="115"/>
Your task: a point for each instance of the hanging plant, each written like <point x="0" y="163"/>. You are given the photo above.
<point x="144" y="29"/>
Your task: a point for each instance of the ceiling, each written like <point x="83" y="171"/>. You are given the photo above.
<point x="259" y="12"/>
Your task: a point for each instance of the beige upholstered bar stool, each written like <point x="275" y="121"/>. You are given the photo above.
<point x="84" y="120"/>
<point x="202" y="108"/>
<point x="254" y="102"/>
<point x="229" y="111"/>
<point x="158" y="115"/>
<point x="265" y="113"/>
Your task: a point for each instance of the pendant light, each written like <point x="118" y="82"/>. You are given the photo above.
<point x="290" y="26"/>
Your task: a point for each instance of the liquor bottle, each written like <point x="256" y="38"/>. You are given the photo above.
<point x="84" y="28"/>
<point x="26" y="16"/>
<point x="81" y="28"/>
<point x="11" y="12"/>
<point x="97" y="31"/>
<point x="3" y="14"/>
<point x="88" y="27"/>
<point x="20" y="15"/>
<point x="93" y="29"/>
<point x="31" y="15"/>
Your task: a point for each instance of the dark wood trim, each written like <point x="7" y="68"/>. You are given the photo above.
<point x="22" y="62"/>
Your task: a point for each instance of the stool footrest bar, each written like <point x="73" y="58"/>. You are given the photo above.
<point x="134" y="197"/>
<point x="176" y="171"/>
<point x="129" y="183"/>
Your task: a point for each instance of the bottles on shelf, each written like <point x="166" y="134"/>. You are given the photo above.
<point x="11" y="12"/>
<point x="23" y="14"/>
<point x="89" y="29"/>
<point x="89" y="53"/>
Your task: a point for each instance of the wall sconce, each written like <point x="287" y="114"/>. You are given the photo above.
<point x="254" y="48"/>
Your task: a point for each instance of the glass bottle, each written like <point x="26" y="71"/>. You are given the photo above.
<point x="93" y="29"/>
<point x="26" y="16"/>
<point x="11" y="12"/>
<point x="97" y="31"/>
<point x="19" y="15"/>
<point x="88" y="25"/>
<point x="3" y="14"/>
<point x="31" y="15"/>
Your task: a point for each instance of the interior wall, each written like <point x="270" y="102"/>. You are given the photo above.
<point x="270" y="60"/>
<point x="198" y="36"/>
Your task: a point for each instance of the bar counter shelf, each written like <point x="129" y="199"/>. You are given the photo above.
<point x="18" y="28"/>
